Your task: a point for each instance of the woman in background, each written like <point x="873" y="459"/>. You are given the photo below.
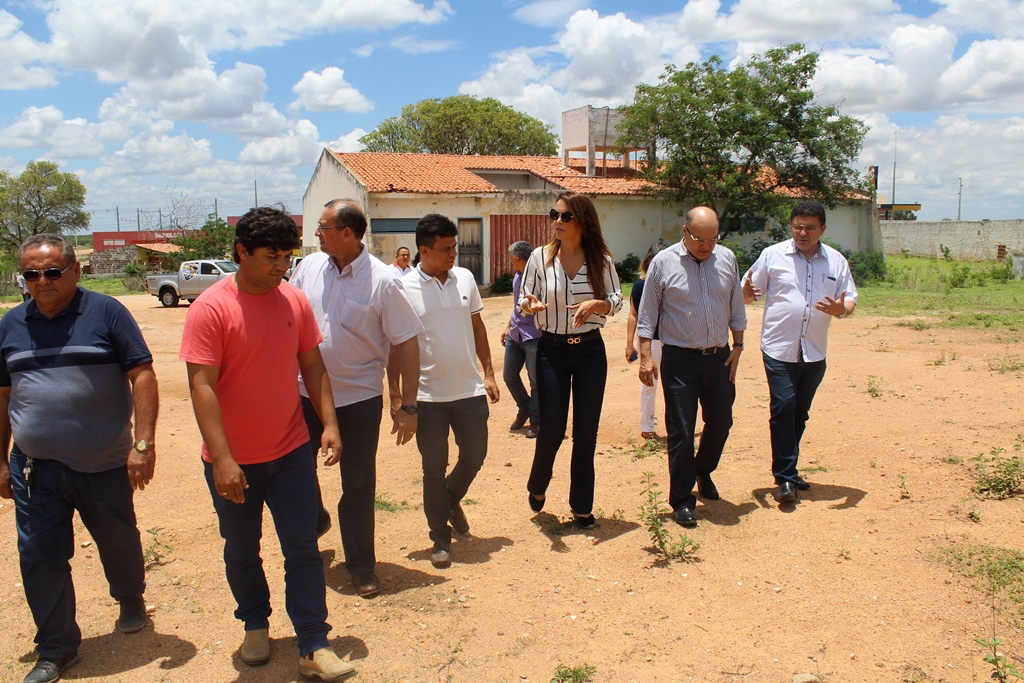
<point x="570" y="287"/>
<point x="648" y="415"/>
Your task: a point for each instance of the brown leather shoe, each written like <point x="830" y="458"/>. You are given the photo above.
<point x="458" y="519"/>
<point x="520" y="420"/>
<point x="366" y="584"/>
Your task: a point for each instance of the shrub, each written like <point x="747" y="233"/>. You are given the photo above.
<point x="503" y="285"/>
<point x="867" y="266"/>
<point x="628" y="268"/>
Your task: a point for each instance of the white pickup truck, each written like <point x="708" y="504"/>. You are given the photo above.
<point x="189" y="281"/>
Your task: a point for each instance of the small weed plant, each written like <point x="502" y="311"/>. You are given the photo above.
<point x="997" y="475"/>
<point x="681" y="547"/>
<point x="904" y="491"/>
<point x="1003" y="670"/>
<point x="584" y="673"/>
<point x="646" y="449"/>
<point x="156" y="550"/>
<point x="873" y="389"/>
<point x="385" y="503"/>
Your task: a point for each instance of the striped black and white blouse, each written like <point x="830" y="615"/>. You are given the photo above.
<point x="552" y="286"/>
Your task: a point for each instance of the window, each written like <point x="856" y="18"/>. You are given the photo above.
<point x="393" y="226"/>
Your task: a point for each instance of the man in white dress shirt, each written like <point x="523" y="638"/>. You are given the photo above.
<point x="805" y="284"/>
<point x="362" y="315"/>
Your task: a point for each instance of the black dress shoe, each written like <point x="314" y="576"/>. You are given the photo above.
<point x="787" y="493"/>
<point x="50" y="670"/>
<point x="803" y="486"/>
<point x="536" y="504"/>
<point x="133" y="614"/>
<point x="685" y="517"/>
<point x="585" y="521"/>
<point x="532" y="432"/>
<point x="458" y="519"/>
<point x="323" y="522"/>
<point x="706" y="488"/>
<point x="521" y="419"/>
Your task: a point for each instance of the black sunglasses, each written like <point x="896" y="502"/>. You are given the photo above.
<point x="566" y="215"/>
<point x="51" y="274"/>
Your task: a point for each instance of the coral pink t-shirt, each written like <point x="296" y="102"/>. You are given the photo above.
<point x="255" y="340"/>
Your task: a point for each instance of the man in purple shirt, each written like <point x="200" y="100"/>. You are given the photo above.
<point x="520" y="338"/>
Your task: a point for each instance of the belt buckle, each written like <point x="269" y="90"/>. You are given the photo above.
<point x="709" y="351"/>
<point x="572" y="340"/>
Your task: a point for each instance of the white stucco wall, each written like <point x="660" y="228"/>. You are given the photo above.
<point x="969" y="240"/>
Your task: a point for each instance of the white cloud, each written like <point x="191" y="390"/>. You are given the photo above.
<point x="17" y="52"/>
<point x="46" y="129"/>
<point x="328" y="91"/>
<point x="160" y="155"/>
<point x="548" y="13"/>
<point x="347" y="143"/>
<point x="1002" y="18"/>
<point x="417" y="46"/>
<point x="298" y="145"/>
<point x="991" y="73"/>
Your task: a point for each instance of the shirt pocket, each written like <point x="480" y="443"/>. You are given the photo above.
<point x="356" y="318"/>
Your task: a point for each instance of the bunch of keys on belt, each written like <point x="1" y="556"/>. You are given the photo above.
<point x="27" y="473"/>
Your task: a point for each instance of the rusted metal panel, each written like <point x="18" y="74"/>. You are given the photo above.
<point x="505" y="230"/>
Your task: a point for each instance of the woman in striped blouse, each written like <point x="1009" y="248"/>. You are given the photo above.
<point x="570" y="286"/>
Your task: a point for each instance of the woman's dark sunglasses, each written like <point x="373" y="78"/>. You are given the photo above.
<point x="566" y="215"/>
<point x="51" y="274"/>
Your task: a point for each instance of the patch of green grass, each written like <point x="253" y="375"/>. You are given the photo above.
<point x="873" y="388"/>
<point x="1005" y="364"/>
<point x="156" y="550"/>
<point x="952" y="460"/>
<point x="811" y="469"/>
<point x="584" y="673"/>
<point x="927" y="293"/>
<point x="385" y="503"/>
<point x="646" y="449"/>
<point x="112" y="286"/>
<point x="993" y="570"/>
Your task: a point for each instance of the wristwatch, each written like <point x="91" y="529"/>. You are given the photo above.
<point x="410" y="410"/>
<point x="142" y="445"/>
<point x="737" y="345"/>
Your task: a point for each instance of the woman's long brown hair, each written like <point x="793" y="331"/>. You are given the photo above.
<point x="594" y="248"/>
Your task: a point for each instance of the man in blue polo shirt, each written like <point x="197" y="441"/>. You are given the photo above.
<point x="73" y="369"/>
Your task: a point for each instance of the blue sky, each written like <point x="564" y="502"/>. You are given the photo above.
<point x="157" y="103"/>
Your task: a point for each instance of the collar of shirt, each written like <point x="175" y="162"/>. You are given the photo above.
<point x="358" y="263"/>
<point x="73" y="308"/>
<point x="792" y="249"/>
<point x="424" y="277"/>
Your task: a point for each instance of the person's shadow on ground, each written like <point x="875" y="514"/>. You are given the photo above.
<point x="116" y="653"/>
<point x="845" y="496"/>
<point x="555" y="528"/>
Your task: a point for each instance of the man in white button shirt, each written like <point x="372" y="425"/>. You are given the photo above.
<point x="362" y="315"/>
<point x="452" y="394"/>
<point x="806" y="284"/>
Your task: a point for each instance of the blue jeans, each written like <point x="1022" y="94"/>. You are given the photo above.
<point x="689" y="378"/>
<point x="564" y="371"/>
<point x="467" y="419"/>
<point x="518" y="354"/>
<point x="288" y="487"/>
<point x="792" y="387"/>
<point x="360" y="430"/>
<point x="46" y="543"/>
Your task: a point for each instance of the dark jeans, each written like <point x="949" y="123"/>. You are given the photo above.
<point x="467" y="419"/>
<point x="46" y="543"/>
<point x="360" y="429"/>
<point x="792" y="387"/>
<point x="518" y="354"/>
<point x="689" y="378"/>
<point x="578" y="371"/>
<point x="288" y="487"/>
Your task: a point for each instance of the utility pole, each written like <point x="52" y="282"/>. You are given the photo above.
<point x="117" y="209"/>
<point x="959" y="194"/>
<point x="255" y="193"/>
<point x="216" y="209"/>
<point x="892" y="198"/>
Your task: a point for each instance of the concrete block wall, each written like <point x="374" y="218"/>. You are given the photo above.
<point x="966" y="240"/>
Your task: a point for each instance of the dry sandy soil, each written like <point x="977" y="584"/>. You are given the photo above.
<point x="845" y="585"/>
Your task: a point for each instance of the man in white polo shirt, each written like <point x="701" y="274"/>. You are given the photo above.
<point x="362" y="316"/>
<point x="451" y="392"/>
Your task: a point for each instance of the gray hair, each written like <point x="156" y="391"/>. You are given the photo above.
<point x="48" y="239"/>
<point x="521" y="250"/>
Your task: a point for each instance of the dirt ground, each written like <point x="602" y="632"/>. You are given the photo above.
<point x="846" y="585"/>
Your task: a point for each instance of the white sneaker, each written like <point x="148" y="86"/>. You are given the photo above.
<point x="325" y="664"/>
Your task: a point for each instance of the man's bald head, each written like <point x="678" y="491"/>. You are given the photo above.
<point x="700" y="232"/>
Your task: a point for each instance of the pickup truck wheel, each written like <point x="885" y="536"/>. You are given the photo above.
<point x="168" y="298"/>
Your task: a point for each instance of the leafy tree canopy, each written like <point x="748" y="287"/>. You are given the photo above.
<point x="462" y="124"/>
<point x="744" y="139"/>
<point x="212" y="241"/>
<point x="40" y="199"/>
<point x="904" y="216"/>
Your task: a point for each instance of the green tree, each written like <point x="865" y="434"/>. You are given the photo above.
<point x="747" y="139"/>
<point x="904" y="216"/>
<point x="40" y="199"/>
<point x="212" y="241"/>
<point x="462" y="124"/>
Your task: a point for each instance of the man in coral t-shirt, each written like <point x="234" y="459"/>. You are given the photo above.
<point x="245" y="340"/>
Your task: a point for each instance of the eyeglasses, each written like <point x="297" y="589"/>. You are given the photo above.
<point x="321" y="226"/>
<point x="566" y="216"/>
<point x="700" y="240"/>
<point x="804" y="228"/>
<point x="50" y="274"/>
